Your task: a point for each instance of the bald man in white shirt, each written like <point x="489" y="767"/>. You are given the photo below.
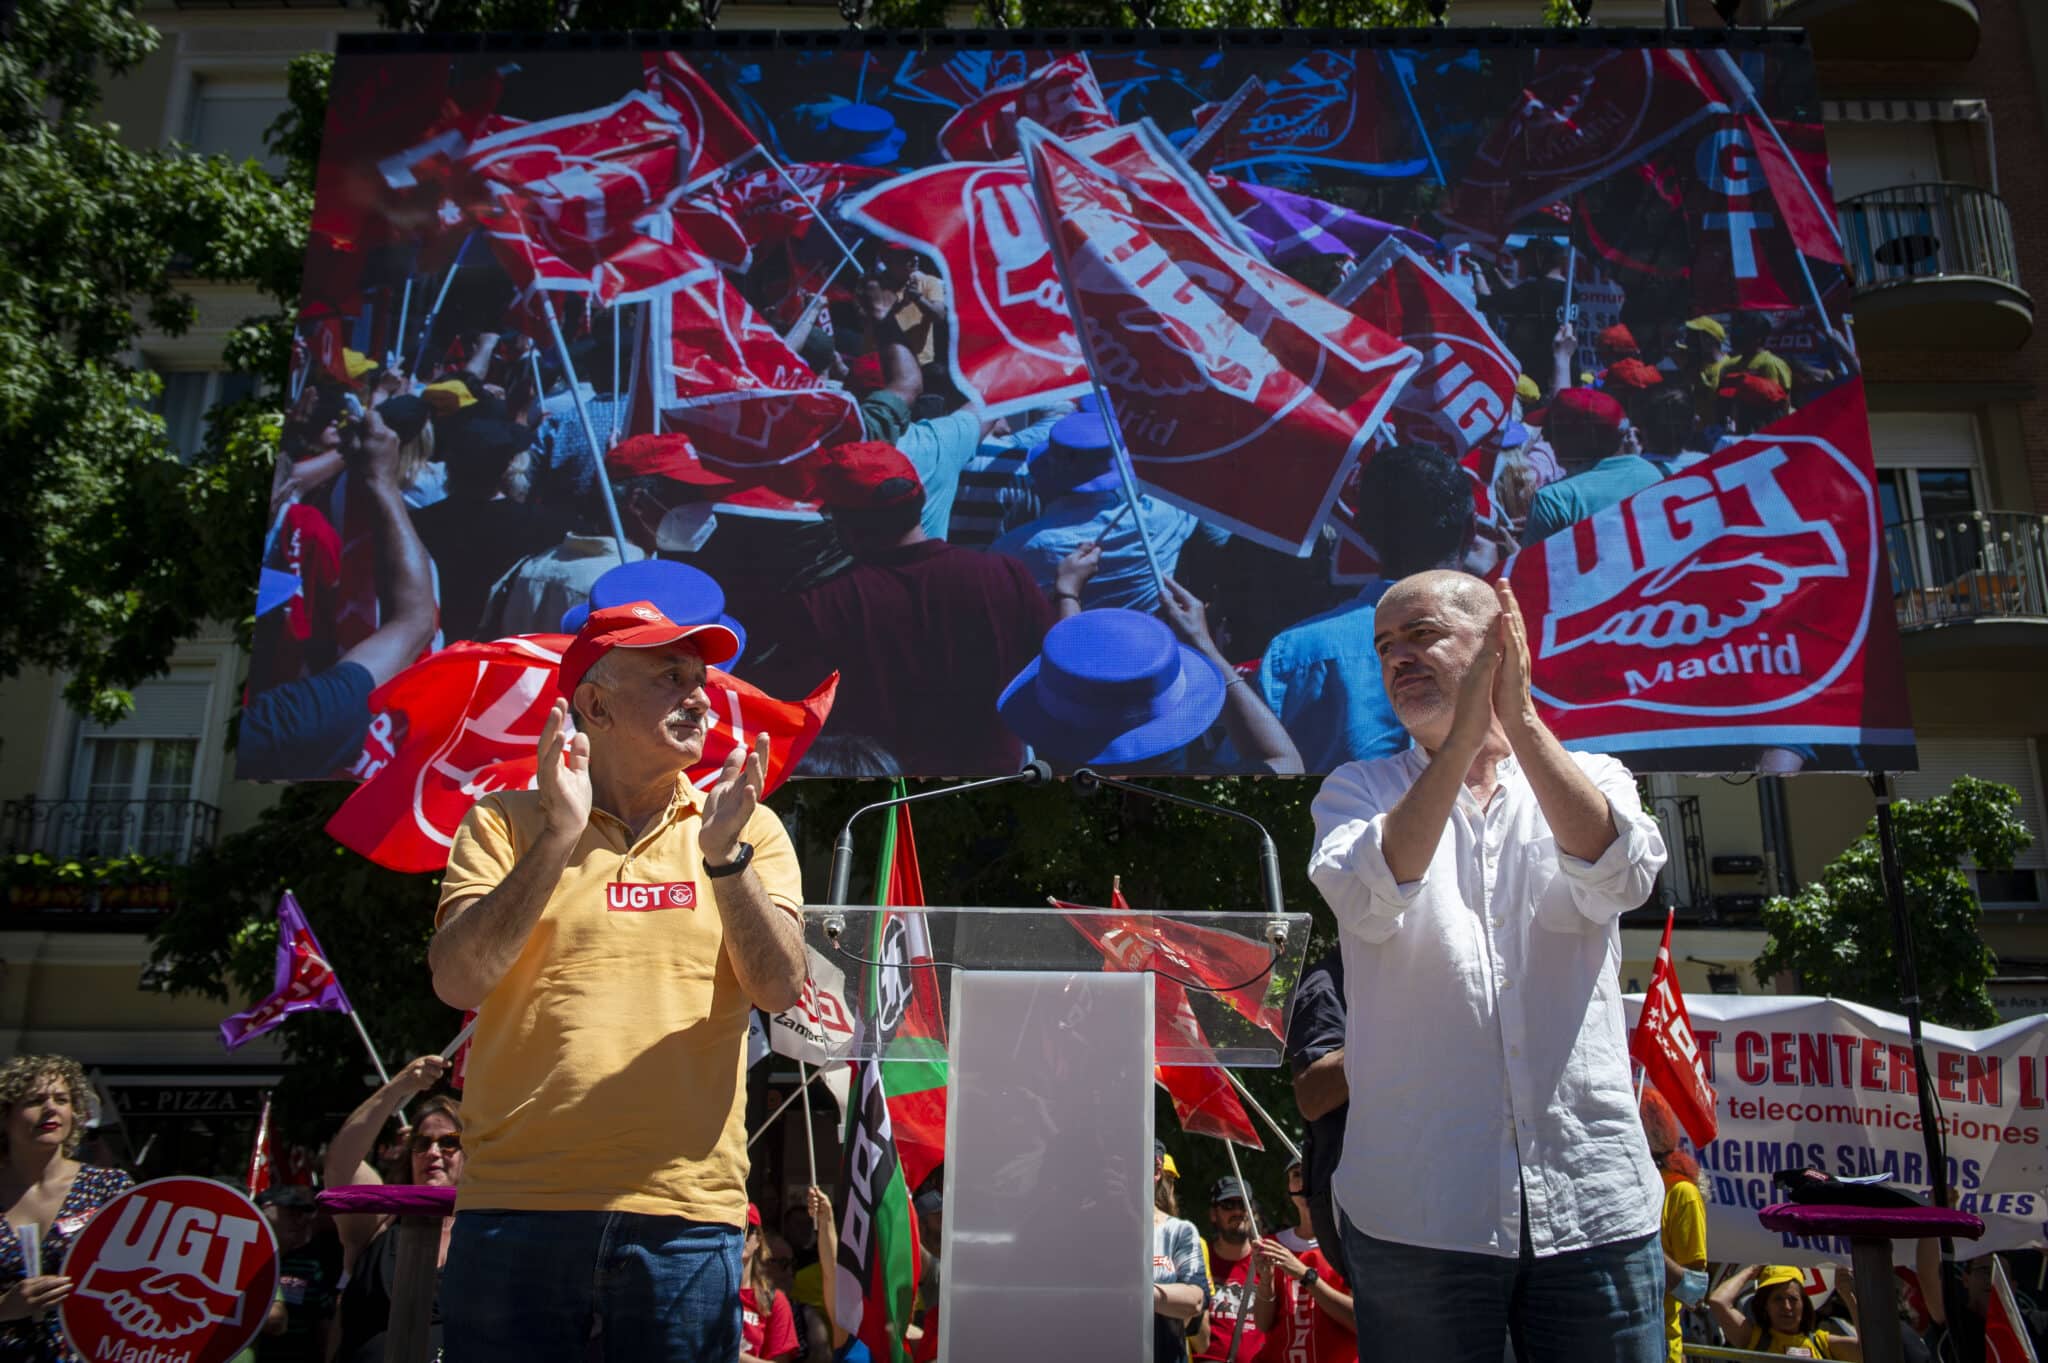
<point x="1494" y="1179"/>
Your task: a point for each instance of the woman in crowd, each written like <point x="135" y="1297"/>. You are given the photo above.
<point x="1180" y="1285"/>
<point x="49" y="1197"/>
<point x="1683" y="1219"/>
<point x="369" y="1247"/>
<point x="1780" y="1316"/>
<point x="767" y="1324"/>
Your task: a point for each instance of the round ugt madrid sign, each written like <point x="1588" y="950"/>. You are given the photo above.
<point x="176" y="1270"/>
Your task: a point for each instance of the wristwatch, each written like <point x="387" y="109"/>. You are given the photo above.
<point x="1309" y="1279"/>
<point x="742" y="853"/>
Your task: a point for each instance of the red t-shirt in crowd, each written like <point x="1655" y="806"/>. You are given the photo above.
<point x="926" y="1350"/>
<point x="769" y="1335"/>
<point x="1303" y="1332"/>
<point x="1233" y="1293"/>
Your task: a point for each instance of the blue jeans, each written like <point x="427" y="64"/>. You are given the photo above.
<point x="1600" y="1305"/>
<point x="560" y="1287"/>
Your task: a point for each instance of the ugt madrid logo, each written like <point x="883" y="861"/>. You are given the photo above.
<point x="176" y="1270"/>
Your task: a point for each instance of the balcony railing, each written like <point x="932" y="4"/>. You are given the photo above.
<point x="1981" y="565"/>
<point x="168" y="830"/>
<point x="1682" y="884"/>
<point x="1928" y="231"/>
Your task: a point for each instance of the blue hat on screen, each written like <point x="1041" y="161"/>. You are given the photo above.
<point x="1076" y="456"/>
<point x="870" y="131"/>
<point x="686" y="595"/>
<point x="1112" y="687"/>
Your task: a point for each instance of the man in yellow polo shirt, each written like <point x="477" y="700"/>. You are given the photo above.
<point x="612" y="928"/>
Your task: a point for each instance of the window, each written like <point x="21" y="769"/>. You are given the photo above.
<point x="230" y="117"/>
<point x="2008" y="761"/>
<point x="188" y="396"/>
<point x="132" y="783"/>
<point x="1930" y="485"/>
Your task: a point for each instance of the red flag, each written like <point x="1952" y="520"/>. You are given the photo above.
<point x="1202" y="1097"/>
<point x="1062" y="97"/>
<point x="2006" y="1337"/>
<point x="1242" y="396"/>
<point x="777" y="209"/>
<point x="714" y="137"/>
<point x="1237" y="970"/>
<point x="624" y="268"/>
<point x="1333" y="107"/>
<point x="1745" y="594"/>
<point x="1585" y="114"/>
<point x="590" y="175"/>
<point x="469" y="719"/>
<point x="1798" y="176"/>
<point x="458" y="1072"/>
<point x="1465" y="389"/>
<point x="724" y="378"/>
<point x="1663" y="1044"/>
<point x="1013" y="345"/>
<point x="261" y="1156"/>
<point x="1220" y="127"/>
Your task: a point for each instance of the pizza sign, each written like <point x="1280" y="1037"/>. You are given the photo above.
<point x="176" y="1270"/>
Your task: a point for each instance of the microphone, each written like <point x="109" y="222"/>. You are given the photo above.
<point x="1088" y="779"/>
<point x="1033" y="774"/>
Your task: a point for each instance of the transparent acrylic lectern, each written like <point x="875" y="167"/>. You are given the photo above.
<point x="1052" y="1022"/>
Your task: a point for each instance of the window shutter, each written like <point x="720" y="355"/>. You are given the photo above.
<point x="2010" y="762"/>
<point x="163" y="709"/>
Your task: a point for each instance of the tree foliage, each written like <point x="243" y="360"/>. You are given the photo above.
<point x="111" y="548"/>
<point x="1837" y="935"/>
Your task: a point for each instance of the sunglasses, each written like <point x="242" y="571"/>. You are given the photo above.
<point x="450" y="1144"/>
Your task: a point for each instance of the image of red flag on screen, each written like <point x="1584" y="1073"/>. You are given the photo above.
<point x="1465" y="389"/>
<point x="1584" y="114"/>
<point x="1664" y="1045"/>
<point x="1242" y="396"/>
<point x="1061" y="97"/>
<point x="466" y="721"/>
<point x="1013" y="343"/>
<point x="1743" y="256"/>
<point x="1331" y="108"/>
<point x="1747" y="593"/>
<point x="301" y="982"/>
<point x="714" y="139"/>
<point x="722" y="376"/>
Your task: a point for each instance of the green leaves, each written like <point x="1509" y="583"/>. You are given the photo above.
<point x="1836" y="934"/>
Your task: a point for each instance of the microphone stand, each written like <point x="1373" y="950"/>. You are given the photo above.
<point x="1032" y="774"/>
<point x="1088" y="779"/>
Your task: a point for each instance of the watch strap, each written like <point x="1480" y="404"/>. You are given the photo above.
<point x="741" y="855"/>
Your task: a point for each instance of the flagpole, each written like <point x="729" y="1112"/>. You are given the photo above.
<point x="1732" y="73"/>
<point x="398" y="339"/>
<point x="812" y="204"/>
<point x="1121" y="456"/>
<point x="468" y="1030"/>
<point x="763" y="1128"/>
<point x="810" y="1135"/>
<point x="383" y="1075"/>
<point x="615" y="382"/>
<point x="434" y="313"/>
<point x="1253" y="1103"/>
<point x="808" y="322"/>
<point x="1415" y="112"/>
<point x="604" y="482"/>
<point x="1251" y="1214"/>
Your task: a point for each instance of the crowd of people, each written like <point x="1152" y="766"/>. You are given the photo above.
<point x="930" y="557"/>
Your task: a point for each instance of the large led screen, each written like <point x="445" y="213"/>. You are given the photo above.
<point x="1045" y="394"/>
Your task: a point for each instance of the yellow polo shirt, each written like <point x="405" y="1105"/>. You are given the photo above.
<point x="608" y="1068"/>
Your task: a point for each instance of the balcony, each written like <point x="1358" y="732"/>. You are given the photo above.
<point x="1971" y="590"/>
<point x="97" y="863"/>
<point x="1885" y="30"/>
<point x="1934" y="267"/>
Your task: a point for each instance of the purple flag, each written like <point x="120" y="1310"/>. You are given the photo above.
<point x="304" y="982"/>
<point x="1288" y="226"/>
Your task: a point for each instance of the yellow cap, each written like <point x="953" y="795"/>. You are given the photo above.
<point x="449" y="395"/>
<point x="1709" y="326"/>
<point x="357" y="363"/>
<point x="1773" y="1274"/>
<point x="1526" y="389"/>
<point x="1168" y="1168"/>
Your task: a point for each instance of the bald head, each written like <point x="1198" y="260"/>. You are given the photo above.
<point x="1445" y="589"/>
<point x="1428" y="629"/>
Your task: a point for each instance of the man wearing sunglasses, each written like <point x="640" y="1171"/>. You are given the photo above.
<point x="612" y="928"/>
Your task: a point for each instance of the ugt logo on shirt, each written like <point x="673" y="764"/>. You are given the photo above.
<point x="625" y="896"/>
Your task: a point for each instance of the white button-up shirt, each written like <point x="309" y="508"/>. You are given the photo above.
<point x="1484" y="1045"/>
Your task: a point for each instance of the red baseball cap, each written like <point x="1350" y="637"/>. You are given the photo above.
<point x="1752" y="390"/>
<point x="662" y="456"/>
<point x="753" y="1215"/>
<point x="865" y="475"/>
<point x="1616" y="340"/>
<point x="637" y="624"/>
<point x="1632" y="374"/>
<point x="1585" y="408"/>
